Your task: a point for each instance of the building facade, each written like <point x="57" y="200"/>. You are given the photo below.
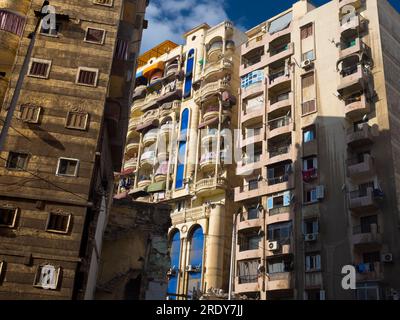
<point x="178" y="150"/>
<point x="320" y="191"/>
<point x="65" y="142"/>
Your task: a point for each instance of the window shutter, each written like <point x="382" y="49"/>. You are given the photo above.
<point x="314" y="195"/>
<point x="307" y="136"/>
<point x="320" y="190"/>
<point x="322" y="295"/>
<point x="270" y="203"/>
<point x="318" y="262"/>
<point x="287" y="198"/>
<point x="308" y="263"/>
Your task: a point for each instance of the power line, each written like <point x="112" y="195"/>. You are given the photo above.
<point x="45" y="180"/>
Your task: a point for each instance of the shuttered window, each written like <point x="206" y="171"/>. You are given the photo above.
<point x="306" y="31"/>
<point x="95" y="35"/>
<point x="87" y="77"/>
<point x="8" y="217"/>
<point x="11" y="22"/>
<point x="39" y="68"/>
<point x="121" y="52"/>
<point x="108" y="3"/>
<point x="30" y="113"/>
<point x="58" y="222"/>
<point x="77" y="120"/>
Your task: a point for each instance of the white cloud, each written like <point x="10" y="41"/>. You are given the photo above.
<point x="170" y="19"/>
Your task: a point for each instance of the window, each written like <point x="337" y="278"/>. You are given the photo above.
<point x="67" y="167"/>
<point x="366" y="223"/>
<point x="311" y="226"/>
<point x="87" y="77"/>
<point x="310" y="196"/>
<point x="49" y="31"/>
<point x="29" y="113"/>
<point x="308" y="107"/>
<point x="253" y="213"/>
<point x="368" y="291"/>
<point x="310" y="163"/>
<point x="307" y="80"/>
<point x="313" y="262"/>
<point x="121" y="52"/>
<point x="47" y="277"/>
<point x="249" y="241"/>
<point x="314" y="294"/>
<point x="11" y="22"/>
<point x="280" y="266"/>
<point x="309" y="134"/>
<point x="306" y="31"/>
<point x="252" y="78"/>
<point x="309" y="55"/>
<point x="248" y="271"/>
<point x="279" y="201"/>
<point x="39" y="68"/>
<point x="95" y="35"/>
<point x="107" y="3"/>
<point x="17" y="161"/>
<point x="76" y="120"/>
<point x="253" y="184"/>
<point x="58" y="222"/>
<point x="8" y="217"/>
<point x="280" y="231"/>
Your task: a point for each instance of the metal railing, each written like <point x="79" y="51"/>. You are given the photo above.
<point x="279" y="123"/>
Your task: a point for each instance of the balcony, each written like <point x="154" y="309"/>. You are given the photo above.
<point x="252" y="115"/>
<point x="279" y="154"/>
<point x="132" y="148"/>
<point x="215" y="51"/>
<point x="366" y="238"/>
<point x="208" y="136"/>
<point x="247" y="284"/>
<point x="150" y="137"/>
<point x="208" y="161"/>
<point x="250" y="224"/>
<point x="354" y="23"/>
<point x="361" y="169"/>
<point x="280" y="183"/>
<point x="137" y="105"/>
<point x="285" y="248"/>
<point x="251" y="190"/>
<point x="356" y="107"/>
<point x="208" y="186"/>
<point x="133" y="122"/>
<point x="247" y="253"/>
<point x="354" y="3"/>
<point x="166" y="129"/>
<point x="172" y="69"/>
<point x="278" y="80"/>
<point x="211" y="89"/>
<point x="148" y="158"/>
<point x="217" y="68"/>
<point x="130" y="165"/>
<point x="255" y="43"/>
<point x="351" y="47"/>
<point x="281" y="52"/>
<point x="353" y="79"/>
<point x="280" y="126"/>
<point x="362" y="200"/>
<point x="279" y="214"/>
<point x="211" y="112"/>
<point x="359" y="136"/>
<point x="253" y="64"/>
<point x="255" y="137"/>
<point x="313" y="280"/>
<point x="369" y="272"/>
<point x="283" y="102"/>
<point x="279" y="281"/>
<point x="144" y="181"/>
<point x="281" y="33"/>
<point x="248" y="166"/>
<point x="310" y="175"/>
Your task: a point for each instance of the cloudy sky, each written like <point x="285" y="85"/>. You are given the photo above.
<point x="170" y="19"/>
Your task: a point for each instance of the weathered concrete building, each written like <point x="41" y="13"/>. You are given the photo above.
<point x="135" y="258"/>
<point x="322" y="189"/>
<point x="66" y="141"/>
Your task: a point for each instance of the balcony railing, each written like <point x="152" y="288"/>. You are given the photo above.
<point x="279" y="123"/>
<point x="277" y="151"/>
<point x="278" y="210"/>
<point x="277" y="180"/>
<point x="248" y="279"/>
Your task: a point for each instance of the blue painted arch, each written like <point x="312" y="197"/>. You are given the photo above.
<point x="175" y="253"/>
<point x="180" y="170"/>
<point x="196" y="239"/>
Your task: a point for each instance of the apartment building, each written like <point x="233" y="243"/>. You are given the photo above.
<point x="320" y="184"/>
<point x="178" y="150"/>
<point x="66" y="139"/>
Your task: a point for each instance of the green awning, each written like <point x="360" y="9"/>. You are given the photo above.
<point x="157" y="187"/>
<point x="138" y="192"/>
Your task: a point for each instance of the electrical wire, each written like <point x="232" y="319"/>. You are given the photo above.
<point x="45" y="180"/>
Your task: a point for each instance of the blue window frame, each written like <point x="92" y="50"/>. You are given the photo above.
<point x="189" y="74"/>
<point x="196" y="259"/>
<point x="175" y="259"/>
<point x="180" y="170"/>
<point x="252" y="78"/>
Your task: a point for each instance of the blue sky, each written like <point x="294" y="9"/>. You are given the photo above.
<point x="169" y="19"/>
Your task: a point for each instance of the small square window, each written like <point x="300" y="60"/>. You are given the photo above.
<point x="107" y="3"/>
<point x="8" y="217"/>
<point x="87" y="77"/>
<point x="58" y="222"/>
<point x="309" y="55"/>
<point x="30" y="113"/>
<point x="306" y="31"/>
<point x="67" y="167"/>
<point x="95" y="35"/>
<point x="39" y="68"/>
<point x="309" y="134"/>
<point x="77" y="120"/>
<point x="17" y="161"/>
<point x="47" y="277"/>
<point x="49" y="31"/>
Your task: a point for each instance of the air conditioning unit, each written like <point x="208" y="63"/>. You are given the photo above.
<point x="311" y="237"/>
<point x="306" y="64"/>
<point x="273" y="245"/>
<point x="189" y="268"/>
<point x="387" y="257"/>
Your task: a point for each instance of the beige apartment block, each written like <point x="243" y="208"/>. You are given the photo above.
<point x="66" y="139"/>
<point x="318" y="105"/>
<point x="176" y="150"/>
